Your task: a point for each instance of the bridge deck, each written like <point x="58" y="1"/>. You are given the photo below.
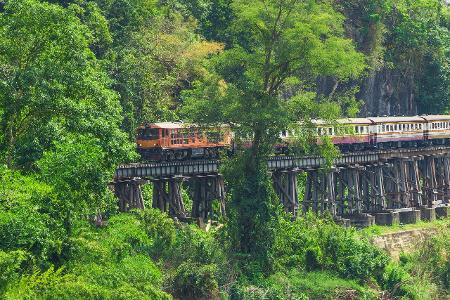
<point x="198" y="167"/>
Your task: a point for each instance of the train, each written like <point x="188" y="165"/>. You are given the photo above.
<point x="171" y="141"/>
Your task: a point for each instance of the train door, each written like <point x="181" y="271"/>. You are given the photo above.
<point x="373" y="133"/>
<point x="425" y="128"/>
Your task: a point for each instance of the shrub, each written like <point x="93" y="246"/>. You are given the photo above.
<point x="194" y="244"/>
<point x="194" y="281"/>
<point x="293" y="284"/>
<point x="158" y="227"/>
<point x="11" y="265"/>
<point x="312" y="243"/>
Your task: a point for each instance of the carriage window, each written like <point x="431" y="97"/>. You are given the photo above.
<point x="330" y="131"/>
<point x="149" y="133"/>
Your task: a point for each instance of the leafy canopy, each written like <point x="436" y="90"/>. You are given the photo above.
<point x="51" y="83"/>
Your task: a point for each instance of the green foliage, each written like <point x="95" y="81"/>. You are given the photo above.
<point x="53" y="284"/>
<point x="302" y="286"/>
<point x="26" y="220"/>
<point x="159" y="228"/>
<point x="115" y="260"/>
<point x="423" y="274"/>
<point x="126" y="16"/>
<point x="73" y="73"/>
<point x="77" y="169"/>
<point x="313" y="243"/>
<point x="51" y="83"/>
<point x="280" y="48"/>
<point x="196" y="245"/>
<point x="214" y="16"/>
<point x="11" y="264"/>
<point x="158" y="62"/>
<point x="419" y="48"/>
<point x="194" y="281"/>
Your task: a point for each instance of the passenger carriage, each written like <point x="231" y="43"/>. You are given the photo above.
<point x="437" y="129"/>
<point x="391" y="132"/>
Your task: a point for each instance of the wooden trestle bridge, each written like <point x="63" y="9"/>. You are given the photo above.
<point x="385" y="186"/>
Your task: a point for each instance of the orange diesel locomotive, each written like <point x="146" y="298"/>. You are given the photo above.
<point x="170" y="141"/>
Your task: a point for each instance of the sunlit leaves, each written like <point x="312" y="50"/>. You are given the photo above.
<point x="51" y="82"/>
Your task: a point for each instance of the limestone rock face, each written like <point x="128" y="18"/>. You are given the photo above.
<point x="386" y="92"/>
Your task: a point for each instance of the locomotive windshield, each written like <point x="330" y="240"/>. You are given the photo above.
<point x="148" y="133"/>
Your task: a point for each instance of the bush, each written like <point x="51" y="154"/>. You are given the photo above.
<point x="293" y="284"/>
<point x="311" y="243"/>
<point x="424" y="273"/>
<point x="56" y="285"/>
<point x="197" y="245"/>
<point x="26" y="220"/>
<point x="158" y="227"/>
<point x="11" y="265"/>
<point x="400" y="283"/>
<point x="194" y="281"/>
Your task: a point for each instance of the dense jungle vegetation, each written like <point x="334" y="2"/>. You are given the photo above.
<point x="76" y="79"/>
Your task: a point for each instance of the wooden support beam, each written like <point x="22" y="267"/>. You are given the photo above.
<point x="285" y="185"/>
<point x="129" y="194"/>
<point x="206" y="189"/>
<point x="428" y="170"/>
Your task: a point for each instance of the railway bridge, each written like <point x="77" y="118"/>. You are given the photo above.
<point x="363" y="188"/>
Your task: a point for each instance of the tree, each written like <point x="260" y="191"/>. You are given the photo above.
<point x="214" y="16"/>
<point x="51" y="83"/>
<point x="158" y="62"/>
<point x="418" y="49"/>
<point x="79" y="173"/>
<point x="280" y="48"/>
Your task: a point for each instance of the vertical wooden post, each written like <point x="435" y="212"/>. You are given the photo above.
<point x="331" y="194"/>
<point x="129" y="194"/>
<point x="307" y="196"/>
<point x="340" y="194"/>
<point x="429" y="179"/>
<point x="207" y="188"/>
<point x="285" y="185"/>
<point x="446" y="173"/>
<point x="416" y="197"/>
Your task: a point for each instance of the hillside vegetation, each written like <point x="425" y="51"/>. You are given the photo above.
<point x="77" y="78"/>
